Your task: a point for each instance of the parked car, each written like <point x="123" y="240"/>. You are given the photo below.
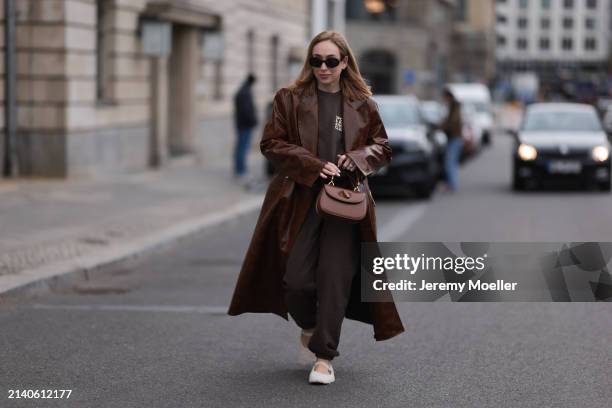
<point x="433" y="113"/>
<point x="561" y="141"/>
<point x="477" y="97"/>
<point x="414" y="167"/>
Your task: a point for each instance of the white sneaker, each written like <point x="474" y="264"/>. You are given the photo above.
<point x="316" y="377"/>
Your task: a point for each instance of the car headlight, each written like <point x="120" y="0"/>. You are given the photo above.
<point x="600" y="153"/>
<point x="527" y="152"/>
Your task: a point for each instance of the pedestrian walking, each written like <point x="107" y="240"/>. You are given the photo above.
<point x="298" y="263"/>
<point x="245" y="119"/>
<point x="452" y="126"/>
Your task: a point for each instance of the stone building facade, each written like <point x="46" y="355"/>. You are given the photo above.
<point x="402" y="46"/>
<point x="92" y="102"/>
<point x="560" y="41"/>
<point x="473" y="42"/>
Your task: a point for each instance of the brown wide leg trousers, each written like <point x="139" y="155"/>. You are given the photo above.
<point x="318" y="277"/>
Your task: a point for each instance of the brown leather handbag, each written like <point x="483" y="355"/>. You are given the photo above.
<point x="342" y="204"/>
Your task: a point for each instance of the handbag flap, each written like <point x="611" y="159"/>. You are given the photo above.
<point x="344" y="195"/>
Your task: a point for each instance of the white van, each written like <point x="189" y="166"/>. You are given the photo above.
<point x="479" y="98"/>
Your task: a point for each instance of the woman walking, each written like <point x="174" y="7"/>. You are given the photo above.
<point x="324" y="125"/>
<point x="453" y="128"/>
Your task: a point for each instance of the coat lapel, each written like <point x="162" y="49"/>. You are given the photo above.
<point x="351" y="122"/>
<point x="308" y="122"/>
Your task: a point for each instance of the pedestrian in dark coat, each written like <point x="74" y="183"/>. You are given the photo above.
<point x="245" y="119"/>
<point x="452" y="126"/>
<point x="298" y="263"/>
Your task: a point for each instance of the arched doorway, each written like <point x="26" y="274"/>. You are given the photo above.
<point x="379" y="69"/>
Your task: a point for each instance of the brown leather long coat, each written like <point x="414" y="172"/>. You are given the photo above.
<point x="290" y="142"/>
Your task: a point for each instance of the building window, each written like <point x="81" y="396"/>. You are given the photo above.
<point x="589" y="23"/>
<point x="368" y="10"/>
<point x="354" y="9"/>
<point x="501" y="19"/>
<point x="568" y="22"/>
<point x="251" y="51"/>
<point x="501" y="40"/>
<point x="544" y="43"/>
<point x="462" y="11"/>
<point x="522" y="22"/>
<point x="590" y="44"/>
<point x="103" y="51"/>
<point x="568" y="4"/>
<point x="545" y="23"/>
<point x="567" y="43"/>
<point x="380" y="67"/>
<point x="274" y="62"/>
<point x="545" y="4"/>
<point x="592" y="4"/>
<point x="523" y="4"/>
<point x="521" y="43"/>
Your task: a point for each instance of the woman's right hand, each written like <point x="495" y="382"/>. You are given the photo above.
<point x="330" y="169"/>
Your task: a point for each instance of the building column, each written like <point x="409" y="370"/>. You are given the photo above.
<point x="159" y="111"/>
<point x="317" y="17"/>
<point x="182" y="90"/>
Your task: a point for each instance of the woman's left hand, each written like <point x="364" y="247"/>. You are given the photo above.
<point x="345" y="162"/>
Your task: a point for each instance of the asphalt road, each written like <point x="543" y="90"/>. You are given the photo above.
<point x="154" y="333"/>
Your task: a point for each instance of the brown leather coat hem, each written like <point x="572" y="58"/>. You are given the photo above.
<point x="379" y="336"/>
<point x="386" y="335"/>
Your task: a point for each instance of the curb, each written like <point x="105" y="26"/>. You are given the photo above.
<point x="41" y="280"/>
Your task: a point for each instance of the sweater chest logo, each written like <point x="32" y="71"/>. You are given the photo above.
<point x="338" y="124"/>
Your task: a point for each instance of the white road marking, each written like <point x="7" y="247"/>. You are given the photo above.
<point x="138" y="308"/>
<point x="400" y="223"/>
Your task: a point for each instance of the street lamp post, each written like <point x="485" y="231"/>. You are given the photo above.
<point x="11" y="164"/>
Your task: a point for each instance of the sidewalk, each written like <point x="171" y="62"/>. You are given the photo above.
<point x="53" y="231"/>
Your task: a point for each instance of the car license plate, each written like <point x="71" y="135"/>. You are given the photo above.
<point x="382" y="171"/>
<point x="564" y="166"/>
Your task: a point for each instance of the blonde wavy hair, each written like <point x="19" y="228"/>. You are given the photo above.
<point x="352" y="83"/>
